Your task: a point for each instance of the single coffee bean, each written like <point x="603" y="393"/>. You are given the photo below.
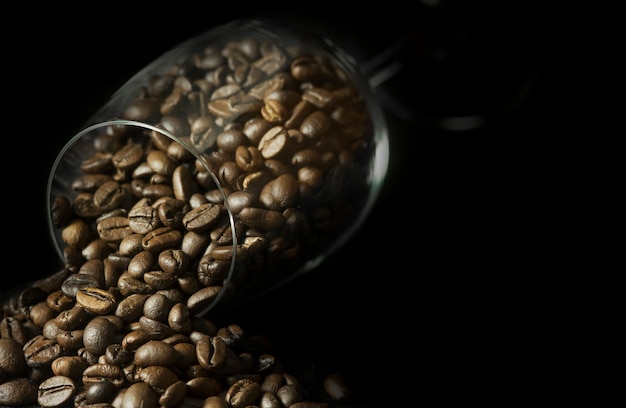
<point x="70" y="366"/>
<point x="95" y="300"/>
<point x="56" y="391"/>
<point x="155" y="353"/>
<point x="12" y="361"/>
<point x="243" y="393"/>
<point x="18" y="392"/>
<point x="98" y="335"/>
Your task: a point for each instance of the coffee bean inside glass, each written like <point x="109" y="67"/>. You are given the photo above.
<point x="233" y="163"/>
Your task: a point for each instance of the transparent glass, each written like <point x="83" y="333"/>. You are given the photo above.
<point x="235" y="162"/>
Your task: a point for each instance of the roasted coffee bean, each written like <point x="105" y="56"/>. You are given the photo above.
<point x="109" y="195"/>
<point x="56" y="391"/>
<point x="143" y="219"/>
<point x="72" y="319"/>
<point x="243" y="393"/>
<point x="158" y="377"/>
<point x="98" y="335"/>
<point x="161" y="239"/>
<point x="174" y="395"/>
<point x="12" y="361"/>
<point x="40" y="351"/>
<point x="155" y="353"/>
<point x="114" y="229"/>
<point x="95" y="300"/>
<point x="173" y="261"/>
<point x="18" y="392"/>
<point x="76" y="233"/>
<point x="61" y="211"/>
<point x="170" y="211"/>
<point x="130" y="309"/>
<point x="157" y="307"/>
<point x="13" y="328"/>
<point x="141" y="263"/>
<point x="202" y="217"/>
<point x="70" y="340"/>
<point x="99" y="372"/>
<point x="71" y="366"/>
<point x="149" y="243"/>
<point x="100" y="392"/>
<point x="202" y="298"/>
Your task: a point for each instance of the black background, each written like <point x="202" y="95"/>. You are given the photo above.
<point x="430" y="298"/>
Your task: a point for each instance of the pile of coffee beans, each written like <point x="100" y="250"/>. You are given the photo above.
<point x="66" y="345"/>
<point x="283" y="144"/>
<point x="283" y="147"/>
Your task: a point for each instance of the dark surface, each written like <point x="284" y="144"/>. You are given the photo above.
<point x="431" y="289"/>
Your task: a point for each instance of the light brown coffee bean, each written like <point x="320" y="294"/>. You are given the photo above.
<point x="243" y="393"/>
<point x="12" y="361"/>
<point x="98" y="372"/>
<point x="96" y="300"/>
<point x="18" y="392"/>
<point x="56" y="391"/>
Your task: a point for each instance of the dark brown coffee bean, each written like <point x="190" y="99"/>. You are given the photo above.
<point x="202" y="298"/>
<point x="161" y="239"/>
<point x="70" y="340"/>
<point x="130" y="309"/>
<point x="18" y="392"/>
<point x="173" y="261"/>
<point x="109" y="195"/>
<point x="202" y="217"/>
<point x="174" y="395"/>
<point x="72" y="319"/>
<point x="315" y="125"/>
<point x="101" y="392"/>
<point x="98" y="335"/>
<point x="179" y="318"/>
<point x="117" y="355"/>
<point x="12" y="361"/>
<point x="155" y="328"/>
<point x="130" y="245"/>
<point x="61" y="211"/>
<point x="40" y="352"/>
<point x="136" y="338"/>
<point x="170" y="211"/>
<point x="143" y="219"/>
<point x="159" y="280"/>
<point x="141" y="110"/>
<point x="155" y="353"/>
<point x="157" y="307"/>
<point x="158" y="377"/>
<point x="280" y="193"/>
<point x="204" y="387"/>
<point x="114" y="229"/>
<point x="70" y="366"/>
<point x="262" y="219"/>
